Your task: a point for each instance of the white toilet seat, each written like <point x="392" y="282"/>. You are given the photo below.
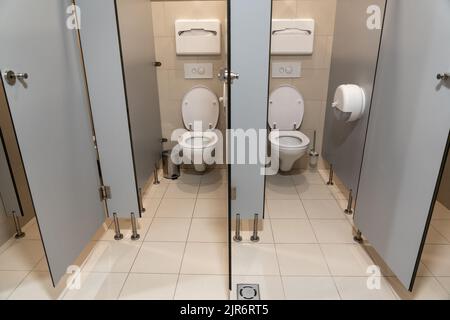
<point x="198" y="140"/>
<point x="289" y="140"/>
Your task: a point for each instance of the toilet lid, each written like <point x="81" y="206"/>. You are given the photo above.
<point x="286" y="108"/>
<point x="200" y="105"/>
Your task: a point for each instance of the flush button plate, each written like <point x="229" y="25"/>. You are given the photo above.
<point x="198" y="71"/>
<point x="288" y="69"/>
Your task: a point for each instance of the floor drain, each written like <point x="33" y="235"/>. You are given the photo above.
<point x="248" y="292"/>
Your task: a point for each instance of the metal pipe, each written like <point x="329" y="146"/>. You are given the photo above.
<point x="330" y="179"/>
<point x="358" y="237"/>
<point x="118" y="235"/>
<point x="19" y="233"/>
<point x="349" y="209"/>
<point x="135" y="235"/>
<point x="155" y="175"/>
<point x="237" y="236"/>
<point x="254" y="237"/>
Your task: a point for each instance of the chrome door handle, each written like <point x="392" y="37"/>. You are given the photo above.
<point x="443" y="76"/>
<point x="11" y="77"/>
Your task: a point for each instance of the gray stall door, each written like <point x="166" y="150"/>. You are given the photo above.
<point x="50" y="112"/>
<point x="103" y="64"/>
<point x="250" y="24"/>
<point x="408" y="132"/>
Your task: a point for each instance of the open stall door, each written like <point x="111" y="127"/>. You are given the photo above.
<point x="50" y="112"/>
<point x="408" y="131"/>
<point x="119" y="58"/>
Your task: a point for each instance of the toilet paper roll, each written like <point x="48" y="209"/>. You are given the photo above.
<point x="349" y="102"/>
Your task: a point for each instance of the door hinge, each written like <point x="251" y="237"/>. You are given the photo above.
<point x="105" y="193"/>
<point x="233" y="194"/>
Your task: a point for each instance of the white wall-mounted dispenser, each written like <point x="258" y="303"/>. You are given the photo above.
<point x="349" y="102"/>
<point x="197" y="37"/>
<point x="292" y="36"/>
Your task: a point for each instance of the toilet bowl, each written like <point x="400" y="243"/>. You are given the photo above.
<point x="200" y="112"/>
<point x="286" y="110"/>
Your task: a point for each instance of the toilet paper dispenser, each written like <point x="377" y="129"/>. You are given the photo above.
<point x="349" y="102"/>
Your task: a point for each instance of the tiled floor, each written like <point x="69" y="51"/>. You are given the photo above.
<point x="306" y="250"/>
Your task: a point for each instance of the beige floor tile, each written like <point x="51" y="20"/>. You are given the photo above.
<point x="169" y="230"/>
<point x="270" y="287"/>
<point x="38" y="286"/>
<point x="176" y="208"/>
<point x="9" y="280"/>
<point x="211" y="208"/>
<point x="156" y="191"/>
<point x="151" y="205"/>
<point x="358" y="288"/>
<point x="286" y="209"/>
<point x="149" y="287"/>
<point x="213" y="191"/>
<point x="445" y="283"/>
<point x="308" y="178"/>
<point x="347" y="259"/>
<point x="202" y="287"/>
<point x="441" y="212"/>
<point x="214" y="176"/>
<point x="301" y="260"/>
<point x="188" y="177"/>
<point x="310" y="288"/>
<point x="425" y="288"/>
<point x="435" y="237"/>
<point x="125" y="229"/>
<point x="314" y="192"/>
<point x="254" y="259"/>
<point x="32" y="231"/>
<point x="323" y="209"/>
<point x="293" y="231"/>
<point x="181" y="191"/>
<point x="333" y="231"/>
<point x="98" y="286"/>
<point x="205" y="258"/>
<point x="112" y="256"/>
<point x="159" y="257"/>
<point x="265" y="234"/>
<point x="208" y="230"/>
<point x="281" y="192"/>
<point x="443" y="227"/>
<point x="437" y="259"/>
<point x="22" y="255"/>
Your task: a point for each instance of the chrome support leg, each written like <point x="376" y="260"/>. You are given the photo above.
<point x="237" y="236"/>
<point x="330" y="179"/>
<point x="135" y="235"/>
<point x="358" y="237"/>
<point x="19" y="233"/>
<point x="255" y="237"/>
<point x="349" y="209"/>
<point x="118" y="236"/>
<point x="141" y="200"/>
<point x="155" y="175"/>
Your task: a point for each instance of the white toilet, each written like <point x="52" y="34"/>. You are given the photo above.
<point x="286" y="110"/>
<point x="200" y="111"/>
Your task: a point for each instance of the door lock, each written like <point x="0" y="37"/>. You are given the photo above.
<point x="11" y="77"/>
<point x="443" y="76"/>
<point x="223" y="75"/>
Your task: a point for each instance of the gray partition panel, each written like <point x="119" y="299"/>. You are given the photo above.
<point x="444" y="189"/>
<point x="50" y="112"/>
<point x="407" y="134"/>
<point x="250" y="54"/>
<point x="103" y="64"/>
<point x="354" y="60"/>
<point x="138" y="57"/>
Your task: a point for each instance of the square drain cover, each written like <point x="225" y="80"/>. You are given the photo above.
<point x="248" y="292"/>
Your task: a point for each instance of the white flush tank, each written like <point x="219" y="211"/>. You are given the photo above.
<point x="349" y="102"/>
